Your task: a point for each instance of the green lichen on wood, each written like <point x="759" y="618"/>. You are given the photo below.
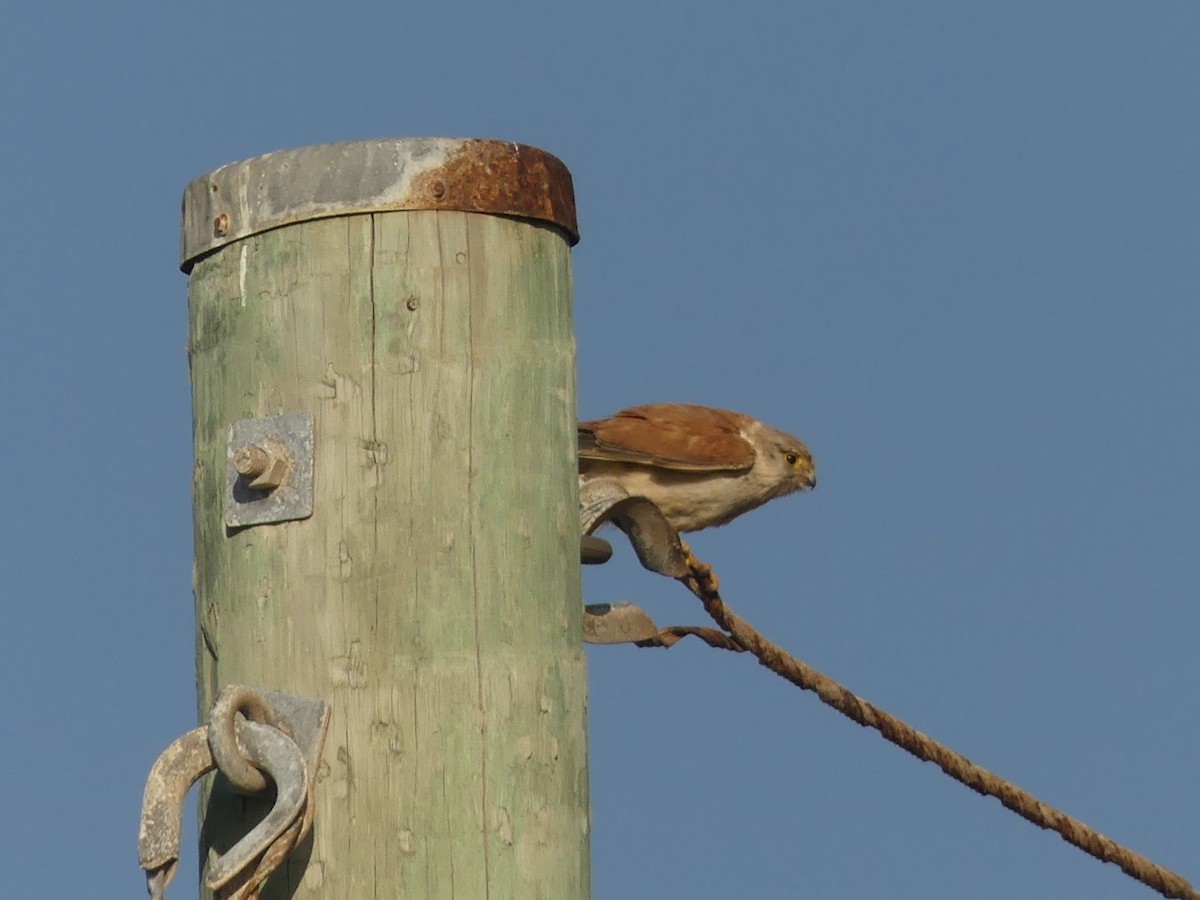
<point x="433" y="597"/>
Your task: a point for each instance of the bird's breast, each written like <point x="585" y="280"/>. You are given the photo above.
<point x="691" y="501"/>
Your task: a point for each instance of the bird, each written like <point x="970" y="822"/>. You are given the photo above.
<point x="701" y="466"/>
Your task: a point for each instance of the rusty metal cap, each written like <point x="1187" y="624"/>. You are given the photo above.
<point x="289" y="186"/>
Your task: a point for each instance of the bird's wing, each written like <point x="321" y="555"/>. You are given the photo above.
<point x="671" y="435"/>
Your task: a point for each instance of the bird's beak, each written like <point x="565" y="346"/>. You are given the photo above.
<point x="810" y="481"/>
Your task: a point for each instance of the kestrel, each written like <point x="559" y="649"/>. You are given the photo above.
<point x="700" y="466"/>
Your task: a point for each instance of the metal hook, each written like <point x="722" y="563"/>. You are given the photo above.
<point x="654" y="540"/>
<point x="276" y="754"/>
<point x="594" y="551"/>
<point x="234" y="699"/>
<point x="177" y="768"/>
<point x="287" y="750"/>
<point x="248" y="881"/>
<point x="616" y="623"/>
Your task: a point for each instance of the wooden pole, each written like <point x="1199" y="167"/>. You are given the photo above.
<point x="414" y="297"/>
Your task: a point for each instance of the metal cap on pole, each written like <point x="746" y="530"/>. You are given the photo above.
<point x="290" y="186"/>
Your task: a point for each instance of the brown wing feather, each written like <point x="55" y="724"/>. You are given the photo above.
<point x="671" y="435"/>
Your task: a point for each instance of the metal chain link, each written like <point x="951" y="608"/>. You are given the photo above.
<point x="268" y="738"/>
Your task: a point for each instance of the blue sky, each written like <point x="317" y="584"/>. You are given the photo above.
<point x="952" y="245"/>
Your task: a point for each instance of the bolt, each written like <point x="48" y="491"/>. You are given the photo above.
<point x="263" y="467"/>
<point x="438" y="189"/>
<point x="412" y="303"/>
<point x="250" y="461"/>
<point x="221" y="225"/>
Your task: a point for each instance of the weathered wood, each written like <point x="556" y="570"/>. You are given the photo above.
<point x="433" y="596"/>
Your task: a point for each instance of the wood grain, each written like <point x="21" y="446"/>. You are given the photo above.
<point x="433" y="597"/>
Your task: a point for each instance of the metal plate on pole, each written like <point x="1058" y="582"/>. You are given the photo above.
<point x="284" y="443"/>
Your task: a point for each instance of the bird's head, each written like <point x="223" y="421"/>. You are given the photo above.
<point x="782" y="459"/>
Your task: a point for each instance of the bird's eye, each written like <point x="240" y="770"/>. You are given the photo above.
<point x="792" y="459"/>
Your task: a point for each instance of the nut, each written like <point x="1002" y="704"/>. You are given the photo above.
<point x="265" y="467"/>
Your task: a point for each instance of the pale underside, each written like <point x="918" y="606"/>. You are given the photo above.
<point x="690" y="500"/>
